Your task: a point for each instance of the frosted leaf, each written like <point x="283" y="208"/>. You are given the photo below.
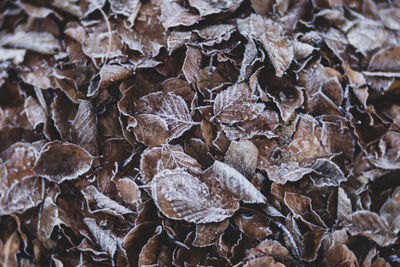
<point x="181" y="196"/>
<point x="192" y="64"/>
<point x="41" y="42"/>
<point x="270" y="34"/>
<point x="49" y="217"/>
<point x="312" y="241"/>
<point x="22" y="196"/>
<point x="322" y="88"/>
<point x="386" y="60"/>
<point x="237" y="103"/>
<point x="390" y="17"/>
<point x="301" y="207"/>
<point x="242" y="156"/>
<point x="368" y="35"/>
<point x="329" y="173"/>
<point x="84" y="128"/>
<point x="173" y="14"/>
<point x="373" y="226"/>
<point x="62" y="161"/>
<point x="155" y="159"/>
<point x="208" y="7"/>
<point x="168" y="107"/>
<point x="34" y="112"/>
<point x="16" y="56"/>
<point x="128" y="190"/>
<point x="149" y="254"/>
<point x="128" y="8"/>
<point x="103" y="237"/>
<point x="386" y="154"/>
<point x="207" y="234"/>
<point x="150" y="129"/>
<point x="390" y="211"/>
<point x="18" y="161"/>
<point x="344" y="208"/>
<point x="215" y="34"/>
<point x="252" y="223"/>
<point x="103" y="202"/>
<point x="237" y="184"/>
<point x="269" y="253"/>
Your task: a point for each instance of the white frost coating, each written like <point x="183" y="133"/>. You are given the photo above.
<point x="331" y="174"/>
<point x="237" y="184"/>
<point x="103" y="237"/>
<point x="102" y="201"/>
<point x="180" y="195"/>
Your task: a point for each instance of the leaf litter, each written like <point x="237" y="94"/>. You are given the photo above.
<point x="199" y="133"/>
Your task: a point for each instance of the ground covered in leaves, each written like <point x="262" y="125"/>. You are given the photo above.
<point x="199" y="133"/>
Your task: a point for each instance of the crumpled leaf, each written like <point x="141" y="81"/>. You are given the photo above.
<point x="268" y="253"/>
<point x="104" y="238"/>
<point x="252" y="224"/>
<point x="34" y="112"/>
<point x="387" y="154"/>
<point x="323" y="89"/>
<point x="270" y="34"/>
<point x="103" y="202"/>
<point x="22" y="196"/>
<point x="169" y="108"/>
<point x="62" y="161"/>
<point x="180" y="195"/>
<point x="208" y="7"/>
<point x="301" y="207"/>
<point x="237" y="184"/>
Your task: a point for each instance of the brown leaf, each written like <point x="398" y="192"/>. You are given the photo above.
<point x="237" y="184"/>
<point x="312" y="241"/>
<point x="22" y="196"/>
<point x="208" y="233"/>
<point x="252" y="223"/>
<point x="173" y="14"/>
<point x="62" y="161"/>
<point x="180" y="195"/>
<point x="270" y="34"/>
<point x="104" y="203"/>
<point x="34" y="112"/>
<point x="167" y="107"/>
<point x="104" y="238"/>
<point x="386" y="154"/>
<point x="242" y="156"/>
<point x="386" y="60"/>
<point x="237" y="103"/>
<point x="192" y="64"/>
<point x="301" y="207"/>
<point x="149" y="253"/>
<point x="373" y="226"/>
<point x="323" y="89"/>
<point x="150" y="129"/>
<point x="268" y="253"/>
<point x="208" y="7"/>
<point x="41" y="42"/>
<point x="128" y="190"/>
<point x="156" y="159"/>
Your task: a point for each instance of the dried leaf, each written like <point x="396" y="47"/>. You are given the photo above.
<point x="22" y="196"/>
<point x="167" y="107"/>
<point x="103" y="202"/>
<point x="242" y="156"/>
<point x="386" y="60"/>
<point x="156" y="159"/>
<point x="128" y="190"/>
<point x="373" y="226"/>
<point x="104" y="238"/>
<point x="207" y="234"/>
<point x="237" y="184"/>
<point x="62" y="161"/>
<point x="237" y="103"/>
<point x="41" y="42"/>
<point x="270" y="34"/>
<point x="179" y="196"/>
<point x="173" y="14"/>
<point x="208" y="7"/>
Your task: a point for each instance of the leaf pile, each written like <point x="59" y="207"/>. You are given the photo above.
<point x="199" y="133"/>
